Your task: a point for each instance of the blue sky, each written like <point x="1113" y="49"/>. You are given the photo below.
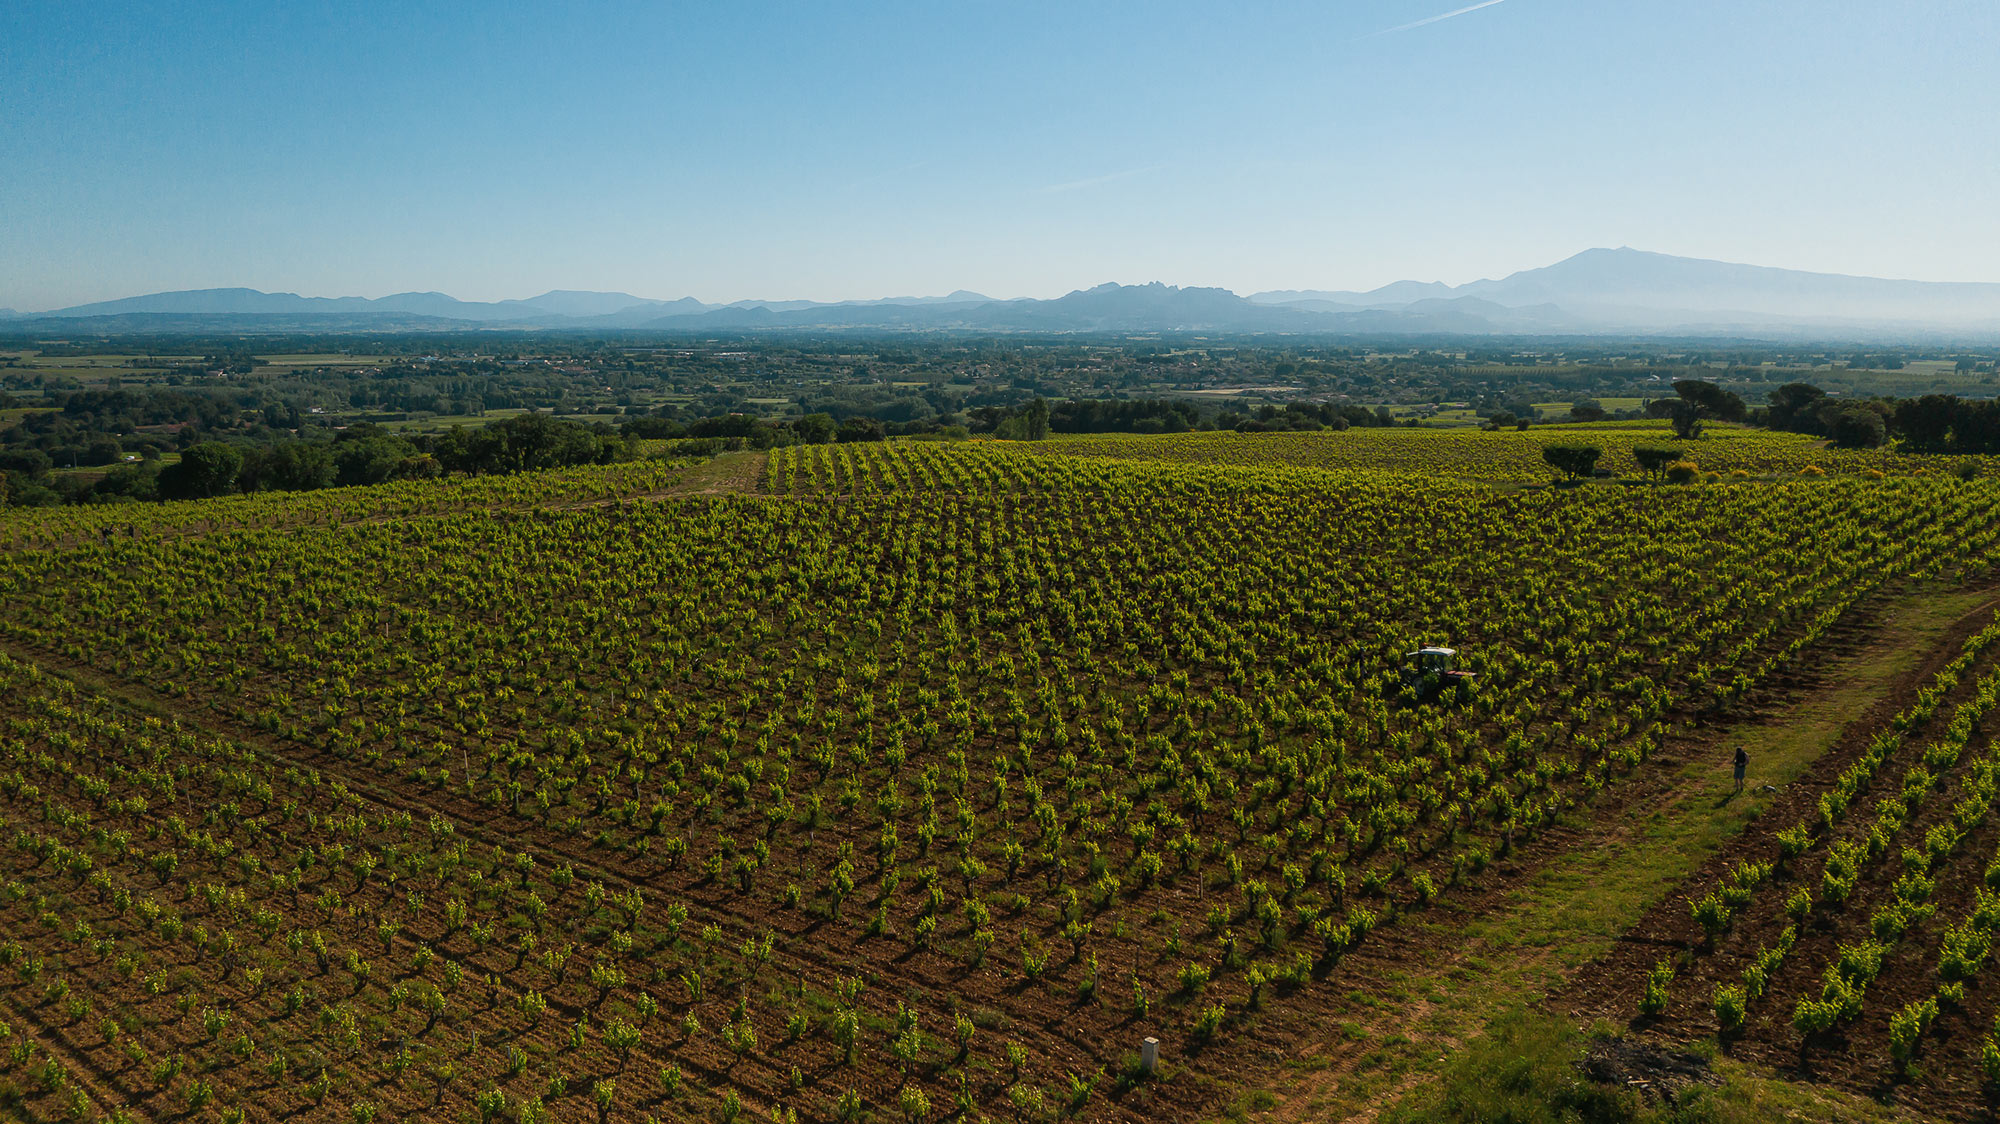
<point x="731" y="150"/>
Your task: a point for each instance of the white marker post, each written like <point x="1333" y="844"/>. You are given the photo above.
<point x="1149" y="1056"/>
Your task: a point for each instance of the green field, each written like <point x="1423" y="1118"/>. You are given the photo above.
<point x="875" y="778"/>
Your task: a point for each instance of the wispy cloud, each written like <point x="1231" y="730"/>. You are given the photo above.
<point x="1078" y="185"/>
<point x="1426" y="22"/>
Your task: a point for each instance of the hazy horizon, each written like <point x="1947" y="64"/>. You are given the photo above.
<point x="776" y="298"/>
<point x="794" y="152"/>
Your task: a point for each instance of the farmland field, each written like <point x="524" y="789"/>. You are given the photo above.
<point x="927" y="780"/>
<point x="1513" y="456"/>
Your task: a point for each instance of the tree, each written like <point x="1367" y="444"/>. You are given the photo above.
<point x="1654" y="459"/>
<point x="815" y="429"/>
<point x="1030" y="424"/>
<point x="1926" y="422"/>
<point x="127" y="481"/>
<point x="523" y="443"/>
<point x="1794" y="407"/>
<point x="1573" y="461"/>
<point x="1697" y="401"/>
<point x="860" y="429"/>
<point x="1860" y="427"/>
<point x="1036" y="421"/>
<point x="371" y="459"/>
<point x="206" y="469"/>
<point x="27" y="464"/>
<point x="295" y="466"/>
<point x="1975" y="427"/>
<point x="652" y="427"/>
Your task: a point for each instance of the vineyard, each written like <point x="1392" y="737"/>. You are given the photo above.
<point x="28" y="528"/>
<point x="1509" y="456"/>
<point x="931" y="780"/>
<point x="1850" y="937"/>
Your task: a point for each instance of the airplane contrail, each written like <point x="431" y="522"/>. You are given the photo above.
<point x="1440" y="19"/>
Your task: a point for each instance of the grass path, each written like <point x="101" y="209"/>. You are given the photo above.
<point x="1571" y="911"/>
<point x="723" y="474"/>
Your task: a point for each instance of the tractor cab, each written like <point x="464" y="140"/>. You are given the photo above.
<point x="1432" y="673"/>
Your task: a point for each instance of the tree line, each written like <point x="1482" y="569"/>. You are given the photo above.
<point x="1930" y="423"/>
<point x="229" y="446"/>
<point x="360" y="454"/>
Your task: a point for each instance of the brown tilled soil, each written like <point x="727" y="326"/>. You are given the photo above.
<point x="1369" y="989"/>
<point x="1050" y="1020"/>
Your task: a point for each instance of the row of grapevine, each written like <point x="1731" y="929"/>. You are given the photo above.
<point x="1862" y="889"/>
<point x="259" y="938"/>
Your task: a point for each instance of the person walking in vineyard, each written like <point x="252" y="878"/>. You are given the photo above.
<point x="1742" y="763"/>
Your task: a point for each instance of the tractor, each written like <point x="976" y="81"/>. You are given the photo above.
<point x="1430" y="675"/>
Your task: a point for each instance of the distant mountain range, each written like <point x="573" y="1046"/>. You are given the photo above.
<point x="1597" y="292"/>
<point x="560" y="307"/>
<point x="1627" y="289"/>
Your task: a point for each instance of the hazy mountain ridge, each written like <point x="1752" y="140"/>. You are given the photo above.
<point x="558" y="307"/>
<point x="1637" y="290"/>
<point x="252" y="302"/>
<point x="1594" y="292"/>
